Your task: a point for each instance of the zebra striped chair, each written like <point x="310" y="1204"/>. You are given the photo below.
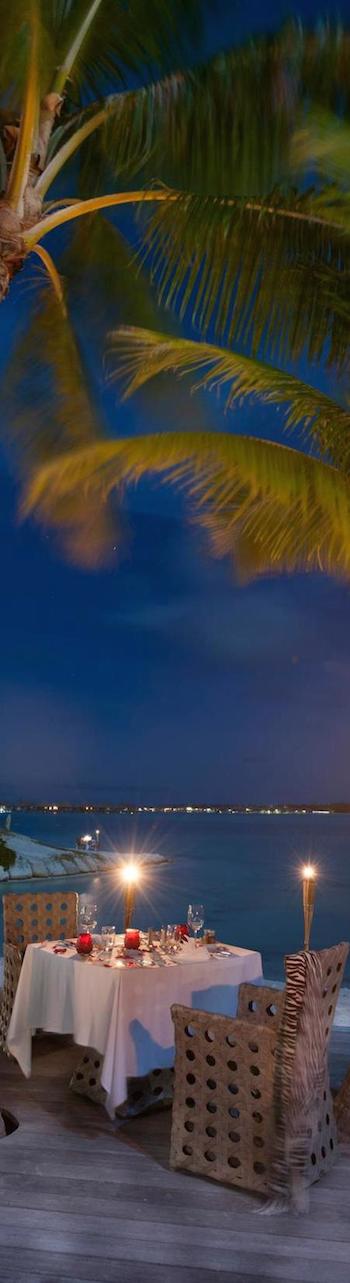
<point x="252" y="1103"/>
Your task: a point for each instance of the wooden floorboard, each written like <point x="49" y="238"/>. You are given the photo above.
<point x="82" y="1199"/>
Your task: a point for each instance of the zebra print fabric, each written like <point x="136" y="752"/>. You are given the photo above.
<point x="301" y="1070"/>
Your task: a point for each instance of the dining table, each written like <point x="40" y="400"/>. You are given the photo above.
<point x="121" y="1007"/>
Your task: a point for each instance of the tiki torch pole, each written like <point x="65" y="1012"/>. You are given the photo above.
<point x="309" y="888"/>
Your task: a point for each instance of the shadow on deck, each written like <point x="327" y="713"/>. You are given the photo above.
<point x="83" y="1200"/>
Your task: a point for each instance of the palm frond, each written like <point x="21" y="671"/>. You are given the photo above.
<point x="224" y="127"/>
<point x="19" y="171"/>
<point x="15" y="26"/>
<point x="122" y="38"/>
<point x="220" y="128"/>
<point x="257" y="273"/>
<point x="114" y="288"/>
<point x="142" y="354"/>
<point x="323" y="142"/>
<point x="47" y="406"/>
<point x="293" y="510"/>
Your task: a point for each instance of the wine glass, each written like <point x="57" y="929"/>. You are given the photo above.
<point x="195" y="918"/>
<point x="87" y="915"/>
<point x="171" y="937"/>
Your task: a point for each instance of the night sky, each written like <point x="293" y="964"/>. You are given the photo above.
<point x="160" y="678"/>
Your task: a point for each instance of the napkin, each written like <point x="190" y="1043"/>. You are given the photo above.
<point x="191" y="953"/>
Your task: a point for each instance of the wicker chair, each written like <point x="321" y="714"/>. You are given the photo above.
<point x="342" y="1108"/>
<point x="252" y="1104"/>
<point x="152" y="1091"/>
<point x="44" y="915"/>
<point x="27" y="918"/>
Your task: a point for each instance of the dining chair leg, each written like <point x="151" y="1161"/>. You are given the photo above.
<point x="153" y="1090"/>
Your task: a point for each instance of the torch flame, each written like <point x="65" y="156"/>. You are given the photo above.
<point x="309" y="871"/>
<point x="130" y="873"/>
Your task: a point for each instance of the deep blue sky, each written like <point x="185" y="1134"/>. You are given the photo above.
<point x="160" y="678"/>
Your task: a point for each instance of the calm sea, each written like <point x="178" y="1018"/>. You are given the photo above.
<point x="244" y="869"/>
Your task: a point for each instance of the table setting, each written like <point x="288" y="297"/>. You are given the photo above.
<point x="113" y="991"/>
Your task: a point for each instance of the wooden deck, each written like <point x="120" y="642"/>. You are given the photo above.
<point x="82" y="1201"/>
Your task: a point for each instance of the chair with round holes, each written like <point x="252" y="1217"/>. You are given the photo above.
<point x="342" y="1108"/>
<point x="252" y="1104"/>
<point x="29" y="918"/>
<point x="152" y="1091"/>
<point x="12" y="971"/>
<point x="39" y="915"/>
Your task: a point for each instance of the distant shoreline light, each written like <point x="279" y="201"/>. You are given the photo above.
<point x="195" y="808"/>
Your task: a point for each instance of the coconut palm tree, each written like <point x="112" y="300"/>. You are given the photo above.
<point x="233" y="245"/>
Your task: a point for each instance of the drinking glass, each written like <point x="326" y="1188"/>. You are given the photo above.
<point x="107" y="939"/>
<point x="171" y="937"/>
<point x="87" y="915"/>
<point x="195" y="918"/>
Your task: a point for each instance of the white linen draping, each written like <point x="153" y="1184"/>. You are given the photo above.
<point x="124" y="1014"/>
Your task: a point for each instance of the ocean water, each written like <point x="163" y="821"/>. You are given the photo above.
<point x="244" y="869"/>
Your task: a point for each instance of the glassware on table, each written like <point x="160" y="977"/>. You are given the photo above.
<point x="195" y="918"/>
<point x="108" y="940"/>
<point x="209" y="936"/>
<point x="87" y="915"/>
<point x="171" y="938"/>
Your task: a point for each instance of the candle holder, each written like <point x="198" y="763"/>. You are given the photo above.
<point x="309" y="889"/>
<point x="130" y="876"/>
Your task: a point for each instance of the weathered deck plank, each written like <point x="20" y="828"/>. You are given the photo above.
<point x="80" y="1199"/>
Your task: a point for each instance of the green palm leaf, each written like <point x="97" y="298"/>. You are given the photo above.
<point x="256" y="273"/>
<point x="122" y="37"/>
<point x="284" y="510"/>
<point x="114" y="287"/>
<point x="323" y="142"/>
<point x="225" y="127"/>
<point x="142" y="354"/>
<point x="48" y="407"/>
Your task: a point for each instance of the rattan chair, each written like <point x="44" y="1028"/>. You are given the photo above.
<point x="342" y="1108"/>
<point x="12" y="970"/>
<point x="252" y="1104"/>
<point x="152" y="1091"/>
<point x="43" y="915"/>
<point x="28" y="918"/>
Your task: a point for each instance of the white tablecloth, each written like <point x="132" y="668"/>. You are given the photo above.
<point x="123" y="1014"/>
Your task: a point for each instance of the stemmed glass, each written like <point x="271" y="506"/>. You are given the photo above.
<point x="87" y="915"/>
<point x="195" y="918"/>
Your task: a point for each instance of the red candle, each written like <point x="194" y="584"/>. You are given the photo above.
<point x="132" y="939"/>
<point x="84" y="942"/>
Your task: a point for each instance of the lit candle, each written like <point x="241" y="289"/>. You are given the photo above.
<point x="309" y="888"/>
<point x="130" y="874"/>
<point x="132" y="939"/>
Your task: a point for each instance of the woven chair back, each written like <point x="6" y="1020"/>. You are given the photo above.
<point x="223" y="1102"/>
<point x="305" y="1133"/>
<point x="244" y="1086"/>
<point x="260" y="1005"/>
<point x="43" y="915"/>
<point x="12" y="971"/>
